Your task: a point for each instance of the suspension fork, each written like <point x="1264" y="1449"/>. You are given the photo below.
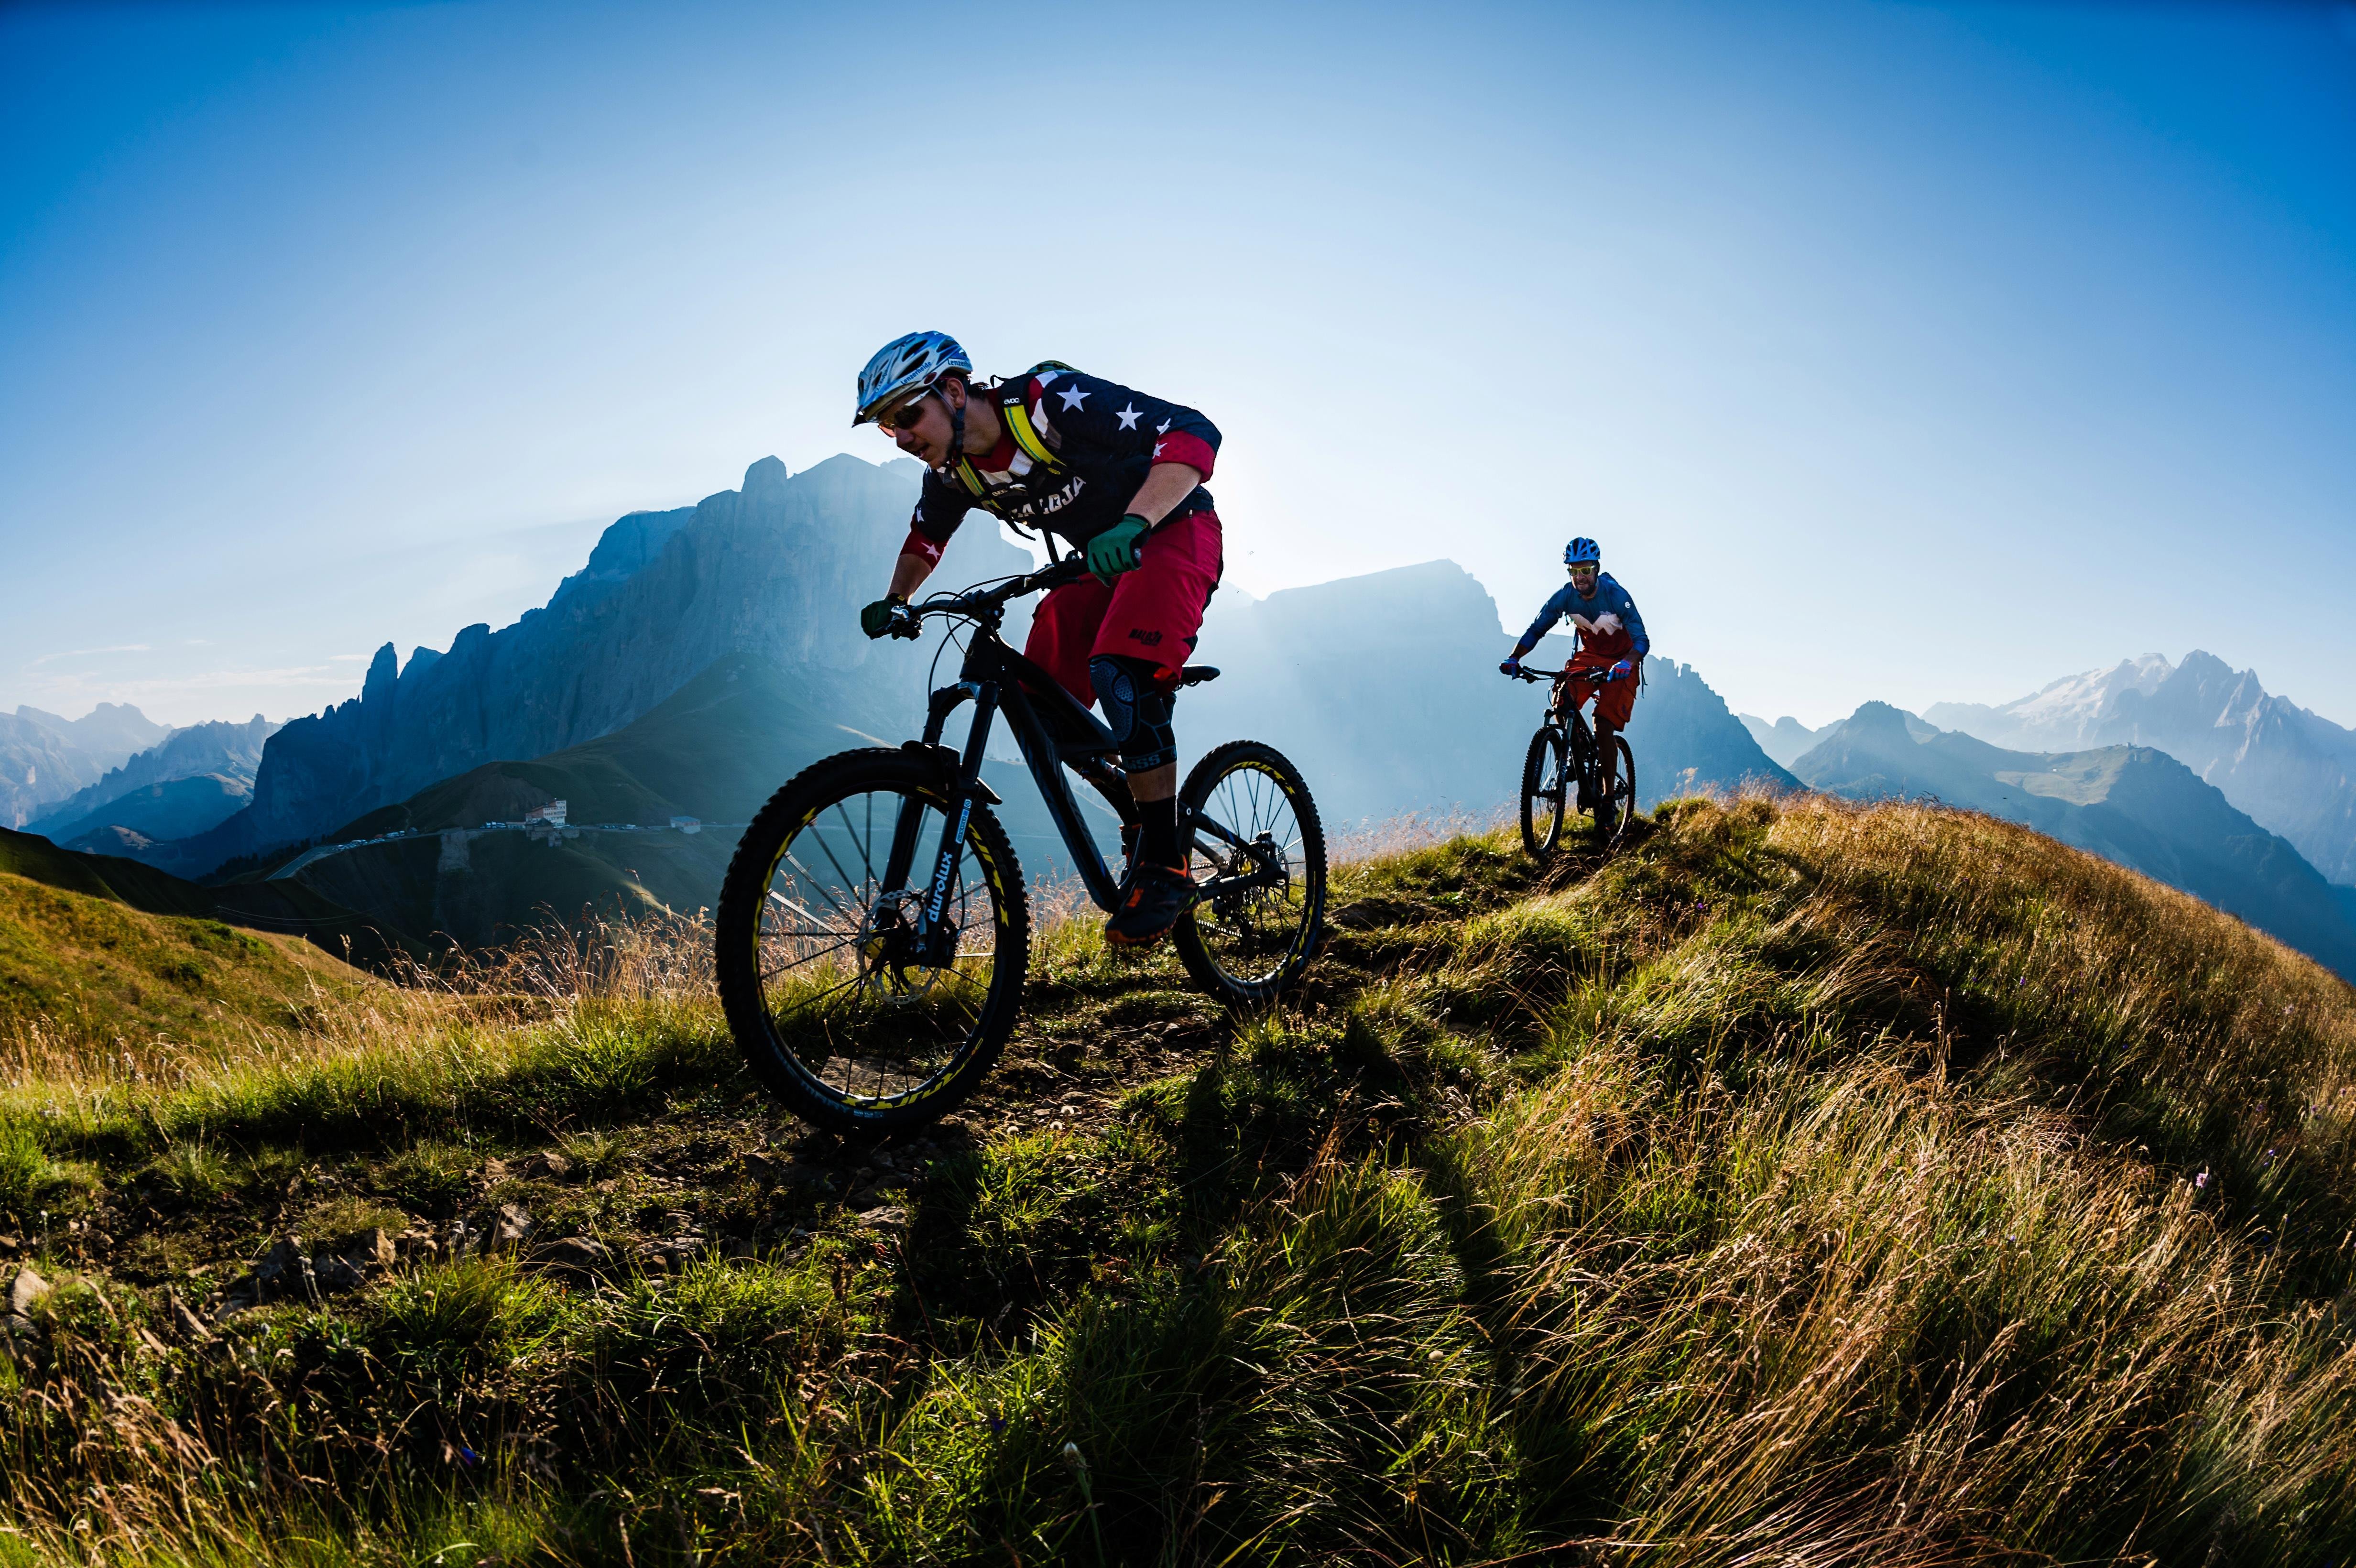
<point x="902" y="860"/>
<point x="966" y="789"/>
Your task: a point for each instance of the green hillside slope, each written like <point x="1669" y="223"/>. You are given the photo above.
<point x="1809" y="1184"/>
<point x="83" y="966"/>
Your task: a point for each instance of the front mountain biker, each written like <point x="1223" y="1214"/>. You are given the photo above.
<point x="1120" y="475"/>
<point x="1610" y="638"/>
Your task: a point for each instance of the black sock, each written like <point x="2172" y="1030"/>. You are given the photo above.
<point x="1160" y="819"/>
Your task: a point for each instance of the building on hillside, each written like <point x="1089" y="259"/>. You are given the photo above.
<point x="687" y="824"/>
<point x="549" y="816"/>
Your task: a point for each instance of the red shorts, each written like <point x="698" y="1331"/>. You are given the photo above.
<point x="1153" y="613"/>
<point x="1615" y="701"/>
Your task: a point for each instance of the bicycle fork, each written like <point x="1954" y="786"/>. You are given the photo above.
<point x="935" y="935"/>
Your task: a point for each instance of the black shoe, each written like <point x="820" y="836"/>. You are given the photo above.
<point x="1152" y="900"/>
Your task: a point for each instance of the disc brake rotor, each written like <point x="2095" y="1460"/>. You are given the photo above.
<point x="890" y="948"/>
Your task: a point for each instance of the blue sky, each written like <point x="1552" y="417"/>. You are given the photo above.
<point x="1909" y="352"/>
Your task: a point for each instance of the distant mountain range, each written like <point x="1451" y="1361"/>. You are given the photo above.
<point x="703" y="655"/>
<point x="2133" y="804"/>
<point x="44" y="757"/>
<point x="2293" y="771"/>
<point x="189" y="782"/>
<point x="777" y="570"/>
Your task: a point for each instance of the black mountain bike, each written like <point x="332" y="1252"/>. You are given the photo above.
<point x="875" y="928"/>
<point x="1563" y="758"/>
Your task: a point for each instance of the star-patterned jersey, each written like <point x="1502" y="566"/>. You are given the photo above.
<point x="1074" y="450"/>
<point x="1610" y="599"/>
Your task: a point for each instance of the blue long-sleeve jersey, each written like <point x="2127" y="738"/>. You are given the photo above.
<point x="1608" y="598"/>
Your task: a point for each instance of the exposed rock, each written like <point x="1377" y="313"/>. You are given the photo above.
<point x="552" y="1165"/>
<point x="372" y="1253"/>
<point x="576" y="1255"/>
<point x="27" y="1291"/>
<point x="885" y="1218"/>
<point x="284" y="1272"/>
<point x="513" y="1226"/>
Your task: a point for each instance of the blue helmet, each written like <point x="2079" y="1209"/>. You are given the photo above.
<point x="903" y="365"/>
<point x="1580" y="550"/>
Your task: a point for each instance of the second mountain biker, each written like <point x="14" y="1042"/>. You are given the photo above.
<point x="1610" y="637"/>
<point x="1118" y="474"/>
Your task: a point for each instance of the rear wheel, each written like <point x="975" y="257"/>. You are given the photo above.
<point x="1258" y="856"/>
<point x="1546" y="781"/>
<point x="1611" y="814"/>
<point x="848" y="1004"/>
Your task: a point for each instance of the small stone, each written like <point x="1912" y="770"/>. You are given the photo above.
<point x="556" y="1167"/>
<point x="26" y="1292"/>
<point x="494" y="1172"/>
<point x="514" y="1226"/>
<point x="285" y="1271"/>
<point x="373" y="1251"/>
<point x="10" y="1246"/>
<point x="885" y="1218"/>
<point x="576" y="1255"/>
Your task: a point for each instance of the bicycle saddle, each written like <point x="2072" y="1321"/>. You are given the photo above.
<point x="1196" y="673"/>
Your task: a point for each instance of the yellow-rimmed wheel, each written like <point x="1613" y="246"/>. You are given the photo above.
<point x="1258" y="854"/>
<point x="862" y="998"/>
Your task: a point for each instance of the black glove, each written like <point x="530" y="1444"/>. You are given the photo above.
<point x="876" y="619"/>
<point x="1511" y="666"/>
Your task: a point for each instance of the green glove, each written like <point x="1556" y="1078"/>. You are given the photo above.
<point x="1114" y="551"/>
<point x="876" y="619"/>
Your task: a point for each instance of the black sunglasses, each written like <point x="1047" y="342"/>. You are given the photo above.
<point x="905" y="416"/>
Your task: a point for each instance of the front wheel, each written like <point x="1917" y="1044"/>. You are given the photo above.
<point x="1546" y="781"/>
<point x="1258" y="856"/>
<point x="852" y="999"/>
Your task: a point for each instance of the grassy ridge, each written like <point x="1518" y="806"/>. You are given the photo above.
<point x="1808" y="1184"/>
<point x="84" y="976"/>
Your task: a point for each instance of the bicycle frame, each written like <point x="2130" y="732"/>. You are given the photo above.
<point x="1052" y="729"/>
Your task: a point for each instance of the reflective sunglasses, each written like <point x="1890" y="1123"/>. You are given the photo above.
<point x="1578" y="566"/>
<point x="905" y="416"/>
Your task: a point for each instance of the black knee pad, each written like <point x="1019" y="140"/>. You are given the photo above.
<point x="1135" y="709"/>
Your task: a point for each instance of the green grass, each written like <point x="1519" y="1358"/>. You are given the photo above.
<point x="1807" y="1184"/>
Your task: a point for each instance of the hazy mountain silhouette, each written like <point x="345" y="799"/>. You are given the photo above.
<point x="2133" y="804"/>
<point x="45" y="757"/>
<point x="2293" y="772"/>
<point x="776" y="570"/>
<point x="190" y="781"/>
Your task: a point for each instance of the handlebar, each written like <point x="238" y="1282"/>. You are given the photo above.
<point x="1593" y="677"/>
<point x="988" y="599"/>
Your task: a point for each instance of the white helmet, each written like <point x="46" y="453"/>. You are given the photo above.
<point x="904" y="364"/>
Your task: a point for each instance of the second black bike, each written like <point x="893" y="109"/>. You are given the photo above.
<point x="1563" y="771"/>
<point x="875" y="927"/>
